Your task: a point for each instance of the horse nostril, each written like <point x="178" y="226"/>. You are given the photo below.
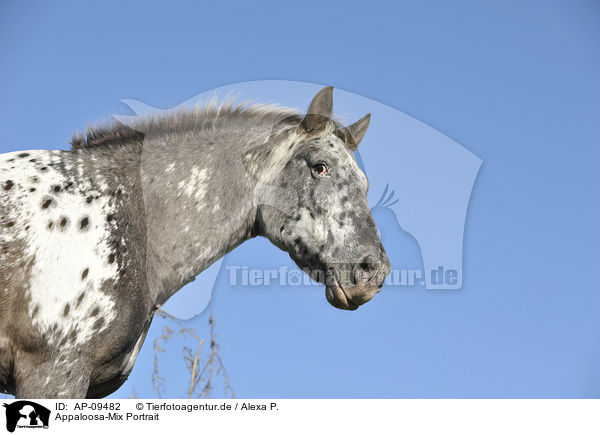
<point x="368" y="264"/>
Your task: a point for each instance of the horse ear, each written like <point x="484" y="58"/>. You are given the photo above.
<point x="319" y="111"/>
<point x="353" y="134"/>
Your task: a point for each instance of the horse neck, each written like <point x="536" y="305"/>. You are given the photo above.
<point x="199" y="204"/>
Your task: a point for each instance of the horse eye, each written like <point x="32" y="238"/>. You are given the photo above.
<point x="320" y="170"/>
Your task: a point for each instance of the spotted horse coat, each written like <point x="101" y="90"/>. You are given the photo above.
<point x="71" y="249"/>
<point x="94" y="239"/>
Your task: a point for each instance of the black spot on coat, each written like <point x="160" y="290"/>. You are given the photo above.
<point x="80" y="298"/>
<point x="98" y="323"/>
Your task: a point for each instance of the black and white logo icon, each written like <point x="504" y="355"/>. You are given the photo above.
<point x="26" y="414"/>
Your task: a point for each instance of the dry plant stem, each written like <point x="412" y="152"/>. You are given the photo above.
<point x="211" y="366"/>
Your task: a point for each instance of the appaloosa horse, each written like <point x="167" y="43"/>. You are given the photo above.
<point x="94" y="239"/>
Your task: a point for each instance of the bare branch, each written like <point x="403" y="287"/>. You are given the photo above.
<point x="202" y="380"/>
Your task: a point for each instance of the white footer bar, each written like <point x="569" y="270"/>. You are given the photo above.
<point x="305" y="416"/>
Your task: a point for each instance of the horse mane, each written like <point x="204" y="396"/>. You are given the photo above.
<point x="202" y="116"/>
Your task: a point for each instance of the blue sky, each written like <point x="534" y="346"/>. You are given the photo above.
<point x="515" y="83"/>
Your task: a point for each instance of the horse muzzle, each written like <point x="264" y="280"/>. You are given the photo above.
<point x="362" y="282"/>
